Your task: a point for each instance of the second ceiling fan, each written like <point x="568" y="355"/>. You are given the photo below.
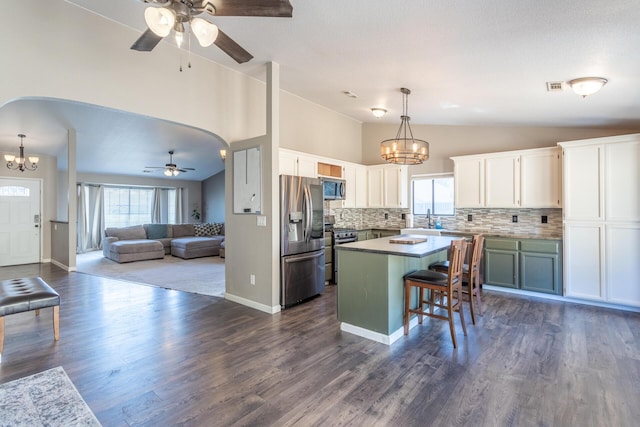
<point x="174" y="14"/>
<point x="170" y="169"/>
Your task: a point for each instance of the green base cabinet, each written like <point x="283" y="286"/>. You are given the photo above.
<point x="501" y="263"/>
<point x="528" y="264"/>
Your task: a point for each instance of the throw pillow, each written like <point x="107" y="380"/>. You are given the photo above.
<point x="217" y="228"/>
<point x="156" y="231"/>
<point x="203" y="230"/>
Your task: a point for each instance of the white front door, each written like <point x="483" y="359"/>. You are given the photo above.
<point x="19" y="221"/>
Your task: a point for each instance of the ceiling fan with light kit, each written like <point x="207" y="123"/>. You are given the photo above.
<point x="181" y="15"/>
<point x="170" y="169"/>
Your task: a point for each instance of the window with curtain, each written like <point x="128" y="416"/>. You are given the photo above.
<point x="126" y="206"/>
<point x="433" y="193"/>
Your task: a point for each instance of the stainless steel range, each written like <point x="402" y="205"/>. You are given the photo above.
<point x="340" y="237"/>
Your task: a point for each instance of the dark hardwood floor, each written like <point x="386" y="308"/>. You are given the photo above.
<point x="148" y="356"/>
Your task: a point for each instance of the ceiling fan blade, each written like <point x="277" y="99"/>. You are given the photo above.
<point x="232" y="48"/>
<point x="147" y="41"/>
<point x="154" y="167"/>
<point x="269" y="8"/>
<point x="188" y="169"/>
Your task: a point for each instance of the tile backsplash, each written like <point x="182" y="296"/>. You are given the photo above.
<point x="488" y="221"/>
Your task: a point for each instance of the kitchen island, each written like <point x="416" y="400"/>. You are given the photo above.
<point x="371" y="288"/>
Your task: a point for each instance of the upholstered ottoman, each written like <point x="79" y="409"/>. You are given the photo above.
<point x="27" y="294"/>
<point x="195" y="247"/>
<point x="135" y="250"/>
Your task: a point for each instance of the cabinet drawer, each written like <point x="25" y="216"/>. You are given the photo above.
<point x="542" y="246"/>
<point x="503" y="245"/>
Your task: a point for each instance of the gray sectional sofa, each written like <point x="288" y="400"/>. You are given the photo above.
<point x="153" y="241"/>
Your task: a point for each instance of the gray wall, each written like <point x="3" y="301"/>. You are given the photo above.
<point x="213" y="198"/>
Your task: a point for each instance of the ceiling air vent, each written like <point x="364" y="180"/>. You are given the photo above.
<point x="555" y="86"/>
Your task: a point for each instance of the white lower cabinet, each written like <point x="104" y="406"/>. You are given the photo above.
<point x="583" y="261"/>
<point x="622" y="263"/>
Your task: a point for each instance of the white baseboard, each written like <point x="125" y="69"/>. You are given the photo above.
<point x="61" y="265"/>
<point x="559" y="298"/>
<point x="377" y="336"/>
<point x="249" y="303"/>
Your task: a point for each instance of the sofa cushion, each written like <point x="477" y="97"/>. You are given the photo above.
<point x="126" y="233"/>
<point x="136" y="246"/>
<point x="156" y="231"/>
<point x="207" y="229"/>
<point x="183" y="230"/>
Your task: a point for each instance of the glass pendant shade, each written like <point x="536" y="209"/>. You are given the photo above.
<point x="404" y="149"/>
<point x="160" y="20"/>
<point x="167" y="172"/>
<point x="586" y="86"/>
<point x="205" y="31"/>
<point x="176" y="172"/>
<point x="9" y="157"/>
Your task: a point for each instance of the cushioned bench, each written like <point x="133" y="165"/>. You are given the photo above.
<point x="27" y="294"/>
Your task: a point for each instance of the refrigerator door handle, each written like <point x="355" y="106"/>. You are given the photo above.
<point x="307" y="215"/>
<point x="297" y="258"/>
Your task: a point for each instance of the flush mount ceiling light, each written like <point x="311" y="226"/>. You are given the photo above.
<point x="21" y="163"/>
<point x="378" y="112"/>
<point x="585" y="86"/>
<point x="404" y="149"/>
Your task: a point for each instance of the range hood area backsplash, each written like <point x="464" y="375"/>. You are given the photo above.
<point x="488" y="221"/>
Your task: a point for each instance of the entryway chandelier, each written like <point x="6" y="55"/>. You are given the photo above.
<point x="21" y="163"/>
<point x="404" y="149"/>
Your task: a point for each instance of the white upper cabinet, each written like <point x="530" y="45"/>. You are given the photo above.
<point x="356" y="183"/>
<point x="387" y="185"/>
<point x="502" y="182"/>
<point x="622" y="181"/>
<point x="395" y="180"/>
<point x="582" y="173"/>
<point x="469" y="182"/>
<point x="514" y="179"/>
<point x="540" y="182"/>
<point x="375" y="178"/>
<point x="298" y="164"/>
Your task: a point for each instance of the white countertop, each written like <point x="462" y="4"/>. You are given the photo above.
<point x="383" y="246"/>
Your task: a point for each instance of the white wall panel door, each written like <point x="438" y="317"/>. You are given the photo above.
<point x="583" y="273"/>
<point x="623" y="266"/>
<point x="19" y="221"/>
<point x="622" y="181"/>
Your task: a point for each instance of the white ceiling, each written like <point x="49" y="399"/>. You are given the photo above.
<point x="466" y="62"/>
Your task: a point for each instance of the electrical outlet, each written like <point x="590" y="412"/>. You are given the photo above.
<point x="544" y="219"/>
<point x="403" y="216"/>
<point x="252" y="279"/>
<point x="262" y="220"/>
<point x="514" y="218"/>
<point x="386" y="216"/>
<point x="469" y="217"/>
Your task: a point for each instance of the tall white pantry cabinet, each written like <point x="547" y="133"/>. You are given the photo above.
<point x="601" y="218"/>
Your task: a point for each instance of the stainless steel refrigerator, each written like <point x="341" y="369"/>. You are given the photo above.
<point x="302" y="239"/>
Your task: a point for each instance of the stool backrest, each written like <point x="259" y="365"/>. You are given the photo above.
<point x="457" y="251"/>
<point x="476" y="253"/>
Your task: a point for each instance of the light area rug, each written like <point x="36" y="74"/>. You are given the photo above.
<point x="48" y="398"/>
<point x="198" y="275"/>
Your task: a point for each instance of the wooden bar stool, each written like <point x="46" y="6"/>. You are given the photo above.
<point x="470" y="274"/>
<point x="448" y="287"/>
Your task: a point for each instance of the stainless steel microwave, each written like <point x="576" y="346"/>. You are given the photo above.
<point x="334" y="189"/>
